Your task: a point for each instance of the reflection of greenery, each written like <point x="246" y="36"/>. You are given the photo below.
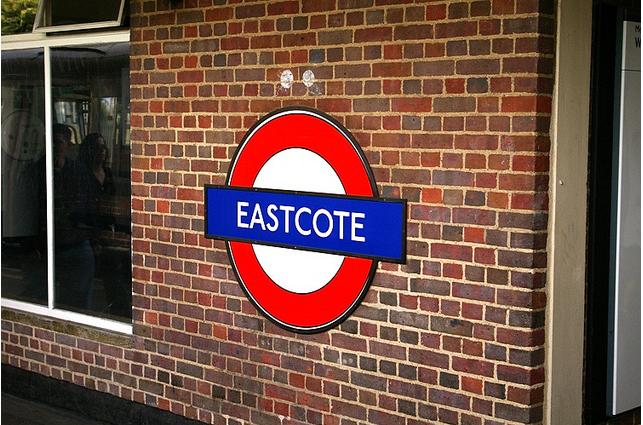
<point x="18" y="15"/>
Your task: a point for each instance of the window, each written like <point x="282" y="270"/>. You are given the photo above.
<point x="67" y="15"/>
<point x="24" y="218"/>
<point x="66" y="216"/>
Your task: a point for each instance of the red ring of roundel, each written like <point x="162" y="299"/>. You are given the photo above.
<point x="307" y="129"/>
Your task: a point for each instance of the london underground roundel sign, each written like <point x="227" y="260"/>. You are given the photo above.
<point x="303" y="221"/>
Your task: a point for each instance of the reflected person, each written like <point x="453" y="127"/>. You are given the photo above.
<point x="93" y="156"/>
<point x="109" y="260"/>
<point x="74" y="258"/>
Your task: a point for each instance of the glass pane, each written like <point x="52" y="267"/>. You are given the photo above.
<point x="90" y="89"/>
<point x="70" y="12"/>
<point x="24" y="208"/>
<point x="18" y="16"/>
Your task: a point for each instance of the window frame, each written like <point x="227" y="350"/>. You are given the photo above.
<point x="39" y="27"/>
<point x="33" y="41"/>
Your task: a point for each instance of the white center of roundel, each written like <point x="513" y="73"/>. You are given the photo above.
<point x="298" y="271"/>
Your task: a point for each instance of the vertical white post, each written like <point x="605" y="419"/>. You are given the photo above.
<point x="49" y="153"/>
<point x="565" y="322"/>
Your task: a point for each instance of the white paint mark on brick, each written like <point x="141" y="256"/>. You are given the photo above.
<point x="286" y="79"/>
<point x="309" y="78"/>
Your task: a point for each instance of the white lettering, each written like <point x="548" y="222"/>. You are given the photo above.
<point x="355" y="225"/>
<point x="241" y="213"/>
<point x="287" y="209"/>
<point x="330" y="223"/>
<point x="323" y="222"/>
<point x="299" y="212"/>
<point x="257" y="218"/>
<point x="342" y="215"/>
<point x="271" y="213"/>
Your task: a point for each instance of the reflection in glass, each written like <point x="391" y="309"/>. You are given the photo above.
<point x="92" y="179"/>
<point x="70" y="12"/>
<point x="24" y="225"/>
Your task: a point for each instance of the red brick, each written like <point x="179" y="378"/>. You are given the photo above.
<point x="472" y="385"/>
<point x="502" y="7"/>
<point x="436" y="12"/>
<point x="449" y="399"/>
<point x="373" y="34"/>
<point x="530" y="163"/>
<point x="392" y="69"/>
<point x="235" y="43"/>
<point x="525" y="396"/>
<point x="265" y="42"/>
<point x="478" y="66"/>
<point x="283" y="8"/>
<point x="523" y="201"/>
<point x="452" y="252"/>
<point x="473" y="292"/>
<point x="411" y="104"/>
<point x="476" y="142"/>
<point x="526" y="104"/>
<point x="318" y="6"/>
<point x="413" y="32"/>
<point x="454" y="104"/>
<point x="429" y="358"/>
<point x="348" y="342"/>
<point x="432" y="68"/>
<point x="434" y="49"/>
<point x="456" y="29"/>
<point x="300" y="39"/>
<point x="520" y="375"/>
<point x="523" y="182"/>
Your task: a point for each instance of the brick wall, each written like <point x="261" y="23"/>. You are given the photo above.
<point x="451" y="104"/>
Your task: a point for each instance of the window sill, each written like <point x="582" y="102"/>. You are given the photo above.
<point x="111" y="337"/>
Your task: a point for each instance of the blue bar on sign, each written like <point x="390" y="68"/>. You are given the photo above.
<point x="361" y="227"/>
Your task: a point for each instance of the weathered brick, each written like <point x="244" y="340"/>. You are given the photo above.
<point x="478" y="66"/>
<point x="449" y="398"/>
<point x="456" y="29"/>
<point x="413" y="32"/>
<point x="382" y="418"/>
<point x="451" y="326"/>
<point x="494" y="390"/>
<point x="518" y="413"/>
<point x="433" y="68"/>
<point x="452" y="178"/>
<point x="250" y="11"/>
<point x="527" y="357"/>
<point x="476" y="367"/>
<point x="373" y="382"/>
<point x="373" y="34"/>
<point x="410" y="319"/>
<point x="283" y="8"/>
<point x="473" y="292"/>
<point x="454" y="104"/>
<point x="371" y="105"/>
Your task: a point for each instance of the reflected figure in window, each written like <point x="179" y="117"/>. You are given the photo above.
<point x="74" y="226"/>
<point x="93" y="154"/>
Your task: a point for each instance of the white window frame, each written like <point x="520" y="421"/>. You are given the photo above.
<point x="34" y="41"/>
<point x="40" y="27"/>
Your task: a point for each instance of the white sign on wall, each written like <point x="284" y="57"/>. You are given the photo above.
<point x="625" y="320"/>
